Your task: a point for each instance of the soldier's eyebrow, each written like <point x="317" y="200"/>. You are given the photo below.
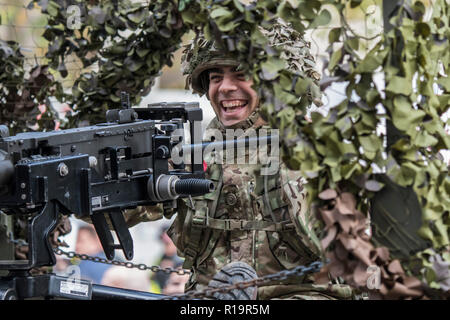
<point x="216" y="70"/>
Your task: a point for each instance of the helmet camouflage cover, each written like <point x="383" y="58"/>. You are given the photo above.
<point x="200" y="55"/>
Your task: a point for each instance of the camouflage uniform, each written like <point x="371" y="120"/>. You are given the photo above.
<point x="263" y="221"/>
<point x="233" y="223"/>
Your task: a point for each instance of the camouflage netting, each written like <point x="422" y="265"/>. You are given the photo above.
<point x="22" y="91"/>
<point x="200" y="54"/>
<point x="339" y="153"/>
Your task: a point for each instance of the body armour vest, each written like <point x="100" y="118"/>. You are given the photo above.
<point x="255" y="216"/>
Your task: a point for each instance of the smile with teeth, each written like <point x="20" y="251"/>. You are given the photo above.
<point x="233" y="105"/>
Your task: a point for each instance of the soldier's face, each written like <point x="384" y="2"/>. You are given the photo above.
<point x="231" y="95"/>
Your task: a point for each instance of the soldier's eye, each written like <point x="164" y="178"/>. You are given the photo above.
<point x="215" y="77"/>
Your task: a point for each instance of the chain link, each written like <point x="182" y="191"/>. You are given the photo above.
<point x="209" y="292"/>
<point x="128" y="264"/>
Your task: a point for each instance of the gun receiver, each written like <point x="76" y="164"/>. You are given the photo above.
<point x="90" y="171"/>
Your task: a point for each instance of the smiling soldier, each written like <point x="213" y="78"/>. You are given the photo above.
<point x="259" y="220"/>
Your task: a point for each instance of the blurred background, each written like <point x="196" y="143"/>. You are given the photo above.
<point x="24" y="24"/>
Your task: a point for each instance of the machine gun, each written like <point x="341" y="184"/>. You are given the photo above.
<point x="90" y="172"/>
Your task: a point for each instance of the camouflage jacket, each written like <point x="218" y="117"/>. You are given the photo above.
<point x="236" y="223"/>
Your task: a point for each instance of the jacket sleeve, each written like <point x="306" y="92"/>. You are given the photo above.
<point x="143" y="214"/>
<point x="294" y="194"/>
<point x="137" y="215"/>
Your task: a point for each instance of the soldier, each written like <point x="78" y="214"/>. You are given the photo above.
<point x="262" y="220"/>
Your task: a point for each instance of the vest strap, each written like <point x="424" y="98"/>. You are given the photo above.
<point x="235" y="224"/>
<point x="193" y="246"/>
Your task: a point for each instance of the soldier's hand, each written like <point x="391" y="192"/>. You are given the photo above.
<point x="143" y="214"/>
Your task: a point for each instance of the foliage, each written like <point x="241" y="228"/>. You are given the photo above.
<point x="129" y="44"/>
<point x="339" y="152"/>
<point x="21" y="92"/>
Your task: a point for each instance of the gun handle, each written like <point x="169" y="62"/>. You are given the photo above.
<point x="106" y="238"/>
<point x="122" y="232"/>
<point x="104" y="234"/>
<point x="40" y="249"/>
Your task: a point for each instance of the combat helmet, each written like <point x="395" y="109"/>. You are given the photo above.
<point x="201" y="54"/>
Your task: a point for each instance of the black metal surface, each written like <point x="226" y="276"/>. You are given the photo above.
<point x="188" y="111"/>
<point x="193" y="186"/>
<point x="40" y="187"/>
<point x="122" y="232"/>
<point x="104" y="234"/>
<point x="89" y="171"/>
<point x="245" y="142"/>
<point x="100" y="292"/>
<point x="21" y="286"/>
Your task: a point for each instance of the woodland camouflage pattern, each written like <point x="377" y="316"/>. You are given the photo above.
<point x="241" y="199"/>
<point x="240" y="203"/>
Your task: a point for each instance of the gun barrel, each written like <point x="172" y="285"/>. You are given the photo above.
<point x="170" y="187"/>
<point x="193" y="186"/>
<point x="233" y="143"/>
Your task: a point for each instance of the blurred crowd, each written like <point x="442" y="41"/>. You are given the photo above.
<point x="88" y="243"/>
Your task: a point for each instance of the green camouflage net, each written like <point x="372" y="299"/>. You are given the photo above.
<point x="337" y="153"/>
<point x="22" y="91"/>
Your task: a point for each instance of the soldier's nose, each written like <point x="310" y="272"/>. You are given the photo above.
<point x="228" y="84"/>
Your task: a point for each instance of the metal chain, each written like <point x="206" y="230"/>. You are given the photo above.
<point x="208" y="292"/>
<point x="298" y="271"/>
<point x="141" y="266"/>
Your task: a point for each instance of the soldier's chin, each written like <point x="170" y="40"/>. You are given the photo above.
<point x="229" y="119"/>
<point x="231" y="122"/>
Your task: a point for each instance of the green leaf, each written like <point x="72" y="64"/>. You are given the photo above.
<point x="370" y="143"/>
<point x="53" y="8"/>
<point x="183" y="4"/>
<point x="238" y="6"/>
<point x="322" y="19"/>
<point x="445" y="82"/>
<point x="134" y="65"/>
<point x="369" y="64"/>
<point x="226" y="27"/>
<point x="353" y="43"/>
<point x="114" y="98"/>
<point x="400" y="85"/>
<point x="271" y="67"/>
<point x="424" y="139"/>
<point x="137" y="16"/>
<point x="334" y="34"/>
<point x="221" y="13"/>
<point x="110" y="29"/>
<point x="335" y="58"/>
<point x="344" y="125"/>
<point x="423" y="29"/>
<point x="188" y="16"/>
<point x="142" y="52"/>
<point x="302" y="86"/>
<point x="404" y="116"/>
<point x="349" y="170"/>
<point x="355" y="3"/>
